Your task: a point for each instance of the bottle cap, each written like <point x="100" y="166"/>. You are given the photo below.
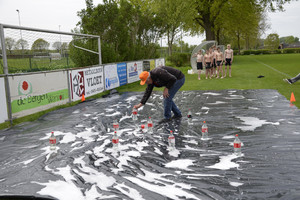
<point x="204" y="121"/>
<point x="171" y="131"/>
<point x="115" y="131"/>
<point x="237" y="135"/>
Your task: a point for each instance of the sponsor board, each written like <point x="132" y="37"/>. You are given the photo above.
<point x="36" y="92"/>
<point x="122" y="73"/>
<point x="159" y="62"/>
<point x="111" y="77"/>
<point x="87" y="82"/>
<point x="3" y="110"/>
<point x="133" y="71"/>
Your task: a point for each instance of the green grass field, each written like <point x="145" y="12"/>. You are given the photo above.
<point x="245" y="70"/>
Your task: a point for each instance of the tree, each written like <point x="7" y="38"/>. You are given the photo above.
<point x="289" y="39"/>
<point x="10" y="43"/>
<point x="21" y="44"/>
<point x="40" y="45"/>
<point x="57" y="46"/>
<point x="207" y="12"/>
<point x="272" y="41"/>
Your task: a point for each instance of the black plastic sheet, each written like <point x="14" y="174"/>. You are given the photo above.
<point x="86" y="167"/>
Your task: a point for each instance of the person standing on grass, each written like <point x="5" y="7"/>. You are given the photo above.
<point x="219" y="57"/>
<point x="170" y="78"/>
<point x="292" y="80"/>
<point x="214" y="64"/>
<point x="228" y="59"/>
<point x="207" y="60"/>
<point x="199" y="56"/>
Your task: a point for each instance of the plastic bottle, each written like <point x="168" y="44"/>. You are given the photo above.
<point x="190" y="122"/>
<point x="143" y="128"/>
<point x="52" y="141"/>
<point x="171" y="141"/>
<point x="116" y="125"/>
<point x="115" y="140"/>
<point x="150" y="125"/>
<point x="134" y="114"/>
<point x="237" y="145"/>
<point x="204" y="131"/>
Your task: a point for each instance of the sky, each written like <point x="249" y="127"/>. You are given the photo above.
<point x="62" y="14"/>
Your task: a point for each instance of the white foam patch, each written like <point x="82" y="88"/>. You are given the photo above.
<point x="180" y="164"/>
<point x="93" y="194"/>
<point x="235" y="97"/>
<point x="253" y="108"/>
<point x="79" y="126"/>
<point x="191" y="141"/>
<point x="174" y="152"/>
<point x="212" y="93"/>
<point x="157" y="151"/>
<point x="129" y="99"/>
<point x="205" y="108"/>
<point x="236" y="184"/>
<point x="228" y="137"/>
<point x="252" y="123"/>
<point x="296" y="133"/>
<point x="76" y="112"/>
<point x="87" y="115"/>
<point x="109" y="109"/>
<point x="191" y="149"/>
<point x="113" y="114"/>
<point x="125" y="117"/>
<point x="225" y="163"/>
<point x="130" y="192"/>
<point x="217" y="102"/>
<point x="166" y="187"/>
<point x="2" y="138"/>
<point x="87" y="135"/>
<point x="69" y="137"/>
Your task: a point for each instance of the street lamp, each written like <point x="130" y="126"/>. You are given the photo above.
<point x="60" y="41"/>
<point x="19" y="23"/>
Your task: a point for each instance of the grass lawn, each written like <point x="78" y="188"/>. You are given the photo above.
<point x="245" y="71"/>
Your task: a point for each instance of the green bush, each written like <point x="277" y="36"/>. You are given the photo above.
<point x="180" y="59"/>
<point x="291" y="50"/>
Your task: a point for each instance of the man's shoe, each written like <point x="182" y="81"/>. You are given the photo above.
<point x="176" y="117"/>
<point x="164" y="121"/>
<point x="287" y="80"/>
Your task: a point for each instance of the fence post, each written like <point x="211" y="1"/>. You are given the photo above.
<point x="99" y="51"/>
<point x="5" y="70"/>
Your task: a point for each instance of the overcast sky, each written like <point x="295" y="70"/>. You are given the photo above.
<point x="50" y="14"/>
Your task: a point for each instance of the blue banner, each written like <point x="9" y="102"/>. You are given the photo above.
<point x="122" y="73"/>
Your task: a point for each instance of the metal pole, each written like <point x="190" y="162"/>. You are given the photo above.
<point x="5" y="70"/>
<point x="60" y="43"/>
<point x="20" y="23"/>
<point x="99" y="51"/>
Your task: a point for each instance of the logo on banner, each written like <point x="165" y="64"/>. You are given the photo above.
<point x="78" y="84"/>
<point x="24" y="88"/>
<point x="133" y="70"/>
<point x="109" y="82"/>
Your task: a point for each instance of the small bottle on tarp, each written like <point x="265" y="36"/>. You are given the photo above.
<point x="116" y="125"/>
<point x="134" y="114"/>
<point x="143" y="128"/>
<point x="237" y="145"/>
<point x="204" y="131"/>
<point x="115" y="140"/>
<point x="52" y="141"/>
<point x="150" y="125"/>
<point x="190" y="122"/>
<point x="171" y="140"/>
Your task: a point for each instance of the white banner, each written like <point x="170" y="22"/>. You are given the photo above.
<point x="133" y="71"/>
<point x="87" y="82"/>
<point x="31" y="93"/>
<point x="159" y="62"/>
<point x="111" y="77"/>
<point x="3" y="110"/>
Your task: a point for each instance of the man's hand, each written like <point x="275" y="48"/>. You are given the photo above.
<point x="166" y="93"/>
<point x="138" y="106"/>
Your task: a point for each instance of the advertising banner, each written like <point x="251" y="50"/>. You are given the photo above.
<point x="122" y="73"/>
<point x="133" y="71"/>
<point x="87" y="82"/>
<point x="159" y="62"/>
<point x="31" y="93"/>
<point x="111" y="77"/>
<point x="3" y="110"/>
